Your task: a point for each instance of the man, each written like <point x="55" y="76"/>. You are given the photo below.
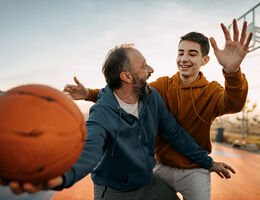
<point x="195" y="103"/>
<point x="122" y="128"/>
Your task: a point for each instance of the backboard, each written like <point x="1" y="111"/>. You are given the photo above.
<point x="253" y="25"/>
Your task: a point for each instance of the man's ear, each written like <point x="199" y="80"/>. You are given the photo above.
<point x="205" y="60"/>
<point x="126" y="77"/>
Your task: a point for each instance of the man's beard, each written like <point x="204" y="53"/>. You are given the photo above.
<point x="141" y="87"/>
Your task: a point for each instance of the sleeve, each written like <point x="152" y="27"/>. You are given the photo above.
<point x="92" y="95"/>
<point x="180" y="139"/>
<point x="233" y="97"/>
<point x="90" y="156"/>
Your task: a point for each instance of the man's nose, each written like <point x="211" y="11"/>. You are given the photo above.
<point x="150" y="69"/>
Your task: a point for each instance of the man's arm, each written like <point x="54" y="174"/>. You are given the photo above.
<point x="91" y="154"/>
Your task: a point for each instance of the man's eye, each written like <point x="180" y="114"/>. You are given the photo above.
<point x="180" y="54"/>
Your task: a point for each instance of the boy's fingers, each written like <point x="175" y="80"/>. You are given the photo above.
<point x="214" y="44"/>
<point x="226" y="32"/>
<point x="77" y="81"/>
<point x="243" y="34"/>
<point x="235" y="30"/>
<point x="248" y="41"/>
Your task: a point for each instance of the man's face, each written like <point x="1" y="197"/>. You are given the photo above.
<point x="190" y="59"/>
<point x="141" y="72"/>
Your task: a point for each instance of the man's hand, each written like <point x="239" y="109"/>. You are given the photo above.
<point x="222" y="169"/>
<point x="77" y="92"/>
<point x="18" y="188"/>
<point x="235" y="51"/>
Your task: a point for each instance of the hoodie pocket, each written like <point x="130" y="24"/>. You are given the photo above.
<point x="138" y="179"/>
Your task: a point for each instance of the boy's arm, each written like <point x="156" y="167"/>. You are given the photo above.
<point x="233" y="98"/>
<point x="92" y="95"/>
<point x="79" y="92"/>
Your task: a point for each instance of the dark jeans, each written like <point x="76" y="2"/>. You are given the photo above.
<point x="155" y="190"/>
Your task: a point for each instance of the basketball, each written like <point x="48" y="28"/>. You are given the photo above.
<point x="42" y="133"/>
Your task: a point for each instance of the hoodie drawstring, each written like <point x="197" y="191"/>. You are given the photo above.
<point x="178" y="98"/>
<point x="117" y="132"/>
<point x="194" y="108"/>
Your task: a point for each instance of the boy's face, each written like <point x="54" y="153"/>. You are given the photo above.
<point x="190" y="59"/>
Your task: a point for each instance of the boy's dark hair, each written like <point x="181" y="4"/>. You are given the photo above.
<point x="116" y="62"/>
<point x="199" y="38"/>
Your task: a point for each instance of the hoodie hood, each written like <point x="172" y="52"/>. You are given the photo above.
<point x="200" y="81"/>
<point x="107" y="98"/>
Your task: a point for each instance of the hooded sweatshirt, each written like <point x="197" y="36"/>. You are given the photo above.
<point x="195" y="107"/>
<point x="119" y="150"/>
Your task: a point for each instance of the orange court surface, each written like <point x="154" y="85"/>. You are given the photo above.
<point x="244" y="185"/>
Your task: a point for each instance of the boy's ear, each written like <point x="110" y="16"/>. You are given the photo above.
<point x="126" y="77"/>
<point x="205" y="60"/>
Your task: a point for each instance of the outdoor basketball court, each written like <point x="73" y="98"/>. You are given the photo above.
<point x="242" y="186"/>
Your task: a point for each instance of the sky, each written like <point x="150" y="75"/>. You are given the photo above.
<point x="50" y="41"/>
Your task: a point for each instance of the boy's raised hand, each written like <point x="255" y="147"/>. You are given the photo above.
<point x="235" y="50"/>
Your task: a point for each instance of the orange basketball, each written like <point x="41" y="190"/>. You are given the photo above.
<point x="42" y="133"/>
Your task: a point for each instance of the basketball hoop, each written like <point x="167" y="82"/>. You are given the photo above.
<point x="251" y="27"/>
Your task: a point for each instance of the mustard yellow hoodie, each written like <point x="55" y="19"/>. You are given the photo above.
<point x="195" y="107"/>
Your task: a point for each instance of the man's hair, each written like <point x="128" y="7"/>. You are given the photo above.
<point x="117" y="61"/>
<point x="199" y="38"/>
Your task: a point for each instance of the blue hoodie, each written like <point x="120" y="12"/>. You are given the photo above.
<point x="119" y="150"/>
